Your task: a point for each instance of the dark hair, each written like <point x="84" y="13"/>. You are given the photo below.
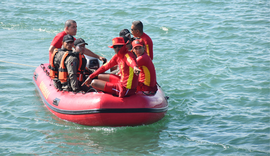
<point x="69" y="22"/>
<point x="138" y="25"/>
<point x="126" y="39"/>
<point x="124" y="32"/>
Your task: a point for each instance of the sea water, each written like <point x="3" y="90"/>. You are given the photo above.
<point x="212" y="59"/>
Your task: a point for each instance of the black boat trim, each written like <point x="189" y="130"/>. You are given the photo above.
<point x="107" y="110"/>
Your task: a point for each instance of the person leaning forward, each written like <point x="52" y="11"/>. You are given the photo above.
<point x="124" y="85"/>
<point x="72" y="67"/>
<point x="137" y="31"/>
<point x="70" y="29"/>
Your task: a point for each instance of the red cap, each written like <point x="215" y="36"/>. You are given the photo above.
<point x="117" y="41"/>
<point x="137" y="42"/>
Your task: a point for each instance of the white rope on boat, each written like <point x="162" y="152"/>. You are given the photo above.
<point x="17" y="63"/>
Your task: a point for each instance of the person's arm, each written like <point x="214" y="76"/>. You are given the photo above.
<point x="88" y="52"/>
<point x="100" y="70"/>
<point x="51" y="49"/>
<point x="140" y="61"/>
<point x="132" y="63"/>
<point x="72" y="67"/>
<point x="137" y="70"/>
<point x="149" y="47"/>
<point x="56" y="42"/>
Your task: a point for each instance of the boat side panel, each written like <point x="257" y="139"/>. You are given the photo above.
<point x="84" y="106"/>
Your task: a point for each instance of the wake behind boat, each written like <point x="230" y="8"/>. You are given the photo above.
<point x="98" y="108"/>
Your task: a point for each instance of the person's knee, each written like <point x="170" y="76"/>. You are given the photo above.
<point x="94" y="83"/>
<point x="98" y="84"/>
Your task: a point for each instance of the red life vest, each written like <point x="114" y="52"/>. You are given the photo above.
<point x="63" y="74"/>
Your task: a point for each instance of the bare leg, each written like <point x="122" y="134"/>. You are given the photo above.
<point x="98" y="84"/>
<point x="104" y="77"/>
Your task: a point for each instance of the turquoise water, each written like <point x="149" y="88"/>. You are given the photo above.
<point x="212" y="59"/>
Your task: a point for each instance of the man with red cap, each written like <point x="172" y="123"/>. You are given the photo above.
<point x="147" y="77"/>
<point x="124" y="85"/>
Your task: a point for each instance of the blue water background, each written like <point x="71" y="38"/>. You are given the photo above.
<point x="212" y="59"/>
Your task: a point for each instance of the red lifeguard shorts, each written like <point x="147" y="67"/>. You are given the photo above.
<point x="114" y="87"/>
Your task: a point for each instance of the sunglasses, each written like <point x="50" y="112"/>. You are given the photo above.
<point x="133" y="29"/>
<point x="117" y="46"/>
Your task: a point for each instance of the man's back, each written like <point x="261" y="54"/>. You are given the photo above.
<point x="58" y="57"/>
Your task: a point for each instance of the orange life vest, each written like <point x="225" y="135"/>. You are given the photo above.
<point x="63" y="74"/>
<point x="53" y="70"/>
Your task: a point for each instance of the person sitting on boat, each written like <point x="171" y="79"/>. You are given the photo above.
<point x="124" y="85"/>
<point x="126" y="33"/>
<point x="127" y="37"/>
<point x="70" y="29"/>
<point x="72" y="68"/>
<point x="115" y="70"/>
<point x="68" y="43"/>
<point x="137" y="31"/>
<point x="147" y="77"/>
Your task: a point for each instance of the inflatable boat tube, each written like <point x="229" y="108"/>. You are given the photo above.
<point x="98" y="108"/>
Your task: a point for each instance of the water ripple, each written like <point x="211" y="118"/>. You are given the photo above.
<point x="211" y="59"/>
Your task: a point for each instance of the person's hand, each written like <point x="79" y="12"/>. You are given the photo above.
<point x="137" y="71"/>
<point x="83" y="92"/>
<point x="103" y="59"/>
<point x="87" y="82"/>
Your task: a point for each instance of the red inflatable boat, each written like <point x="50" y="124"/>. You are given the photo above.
<point x="98" y="108"/>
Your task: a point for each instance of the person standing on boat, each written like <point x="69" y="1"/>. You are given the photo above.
<point x="72" y="67"/>
<point x="147" y="78"/>
<point x="137" y="31"/>
<point x="68" y="43"/>
<point x="124" y="85"/>
<point x="70" y="29"/>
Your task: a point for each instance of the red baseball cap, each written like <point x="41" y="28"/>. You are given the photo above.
<point x="137" y="42"/>
<point x="117" y="41"/>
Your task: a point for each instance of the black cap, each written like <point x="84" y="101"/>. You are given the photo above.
<point x="79" y="41"/>
<point x="124" y="32"/>
<point x="126" y="39"/>
<point x="68" y="38"/>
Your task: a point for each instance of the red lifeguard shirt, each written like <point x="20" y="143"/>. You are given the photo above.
<point x="148" y="45"/>
<point x="57" y="41"/>
<point x="148" y="73"/>
<point x="126" y="64"/>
